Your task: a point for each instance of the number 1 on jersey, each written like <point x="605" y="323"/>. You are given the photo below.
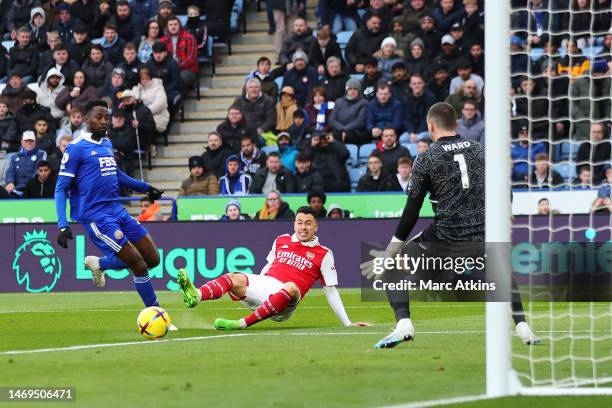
<point x="465" y="180"/>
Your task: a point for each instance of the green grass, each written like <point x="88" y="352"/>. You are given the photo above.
<point x="308" y="361"/>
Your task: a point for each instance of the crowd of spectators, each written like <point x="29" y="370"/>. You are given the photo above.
<point x="290" y="129"/>
<point x="57" y="55"/>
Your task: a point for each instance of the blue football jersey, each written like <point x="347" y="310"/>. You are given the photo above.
<point x="94" y="170"/>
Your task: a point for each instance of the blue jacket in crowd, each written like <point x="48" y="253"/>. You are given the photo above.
<point x="383" y="116"/>
<point x="23" y="167"/>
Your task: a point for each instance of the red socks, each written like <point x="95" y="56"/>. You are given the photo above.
<point x="271" y="307"/>
<point x="216" y="288"/>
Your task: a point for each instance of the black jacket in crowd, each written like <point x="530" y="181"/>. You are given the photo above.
<point x="36" y="189"/>
<point x="285" y="182"/>
<point x="308" y="181"/>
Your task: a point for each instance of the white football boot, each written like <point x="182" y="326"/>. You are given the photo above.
<point x="526" y="335"/>
<point x="404" y="331"/>
<point x="93" y="264"/>
<point x="172" y="327"/>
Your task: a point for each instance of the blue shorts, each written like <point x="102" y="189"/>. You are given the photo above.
<point x="110" y="234"/>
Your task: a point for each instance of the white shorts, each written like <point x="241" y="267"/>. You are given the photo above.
<point x="259" y="289"/>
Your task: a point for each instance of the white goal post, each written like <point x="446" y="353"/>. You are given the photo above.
<point x="501" y="378"/>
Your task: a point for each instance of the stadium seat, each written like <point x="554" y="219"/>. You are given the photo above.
<point x="566" y="170"/>
<point x="568" y="150"/>
<point x="269" y="149"/>
<point x="343" y="37"/>
<point x="365" y="151"/>
<point x="354" y="152"/>
<point x="183" y="19"/>
<point x="354" y="175"/>
<point x="358" y="77"/>
<point x="8" y="45"/>
<point x="536" y="54"/>
<point x="591" y="52"/>
<point x="412" y="148"/>
<point x="279" y="83"/>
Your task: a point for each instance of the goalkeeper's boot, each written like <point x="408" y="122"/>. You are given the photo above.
<point x="404" y="331"/>
<point x="526" y="335"/>
<point x="191" y="294"/>
<point x="226" y="324"/>
<point x="93" y="264"/>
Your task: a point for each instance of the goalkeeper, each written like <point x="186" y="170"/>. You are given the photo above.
<point x="452" y="172"/>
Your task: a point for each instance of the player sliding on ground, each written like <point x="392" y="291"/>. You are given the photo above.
<point x="295" y="263"/>
<point x="90" y="176"/>
<point x="452" y="171"/>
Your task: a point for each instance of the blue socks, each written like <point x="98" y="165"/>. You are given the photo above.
<point x="145" y="290"/>
<point x="111" y="262"/>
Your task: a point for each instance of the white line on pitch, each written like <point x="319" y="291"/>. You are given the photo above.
<point x="223" y="308"/>
<point x="133" y="343"/>
<point x="440" y="402"/>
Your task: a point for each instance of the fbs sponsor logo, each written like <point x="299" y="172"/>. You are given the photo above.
<point x="36" y="264"/>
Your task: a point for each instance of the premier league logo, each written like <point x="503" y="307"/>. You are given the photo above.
<point x="36" y="265"/>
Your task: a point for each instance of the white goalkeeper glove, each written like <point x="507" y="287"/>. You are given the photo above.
<point x="367" y="268"/>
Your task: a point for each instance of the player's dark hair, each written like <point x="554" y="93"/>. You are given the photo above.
<point x="443" y="115"/>
<point x="94" y="103"/>
<point x="42" y="163"/>
<point x="306" y="210"/>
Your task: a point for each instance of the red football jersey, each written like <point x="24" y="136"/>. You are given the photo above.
<point x="301" y="263"/>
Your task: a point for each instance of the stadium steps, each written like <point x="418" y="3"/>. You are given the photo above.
<point x="217" y="94"/>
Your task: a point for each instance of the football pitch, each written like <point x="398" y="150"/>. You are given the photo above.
<point x="89" y="341"/>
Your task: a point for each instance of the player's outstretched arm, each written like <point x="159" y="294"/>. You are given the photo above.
<point x="139" y="186"/>
<point x="335" y="302"/>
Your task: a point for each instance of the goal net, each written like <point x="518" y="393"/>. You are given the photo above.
<point x="557" y="57"/>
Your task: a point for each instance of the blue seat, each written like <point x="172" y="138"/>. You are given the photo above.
<point x="354" y="152"/>
<point x="412" y="148"/>
<point x="343" y="37"/>
<point x="358" y="77"/>
<point x="183" y="19"/>
<point x="591" y="52"/>
<point x="279" y="83"/>
<point x="566" y="170"/>
<point x="568" y="150"/>
<point x="354" y="175"/>
<point x="536" y="54"/>
<point x="8" y="45"/>
<point x="269" y="149"/>
<point x="364" y="152"/>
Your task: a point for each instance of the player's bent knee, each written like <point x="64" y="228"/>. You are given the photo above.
<point x="293" y="290"/>
<point x="153" y="261"/>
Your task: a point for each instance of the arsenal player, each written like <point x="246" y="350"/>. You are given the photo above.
<point x="295" y="263"/>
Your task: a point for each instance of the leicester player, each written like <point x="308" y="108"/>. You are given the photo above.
<point x="89" y="174"/>
<point x="295" y="263"/>
<point x="452" y="172"/>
